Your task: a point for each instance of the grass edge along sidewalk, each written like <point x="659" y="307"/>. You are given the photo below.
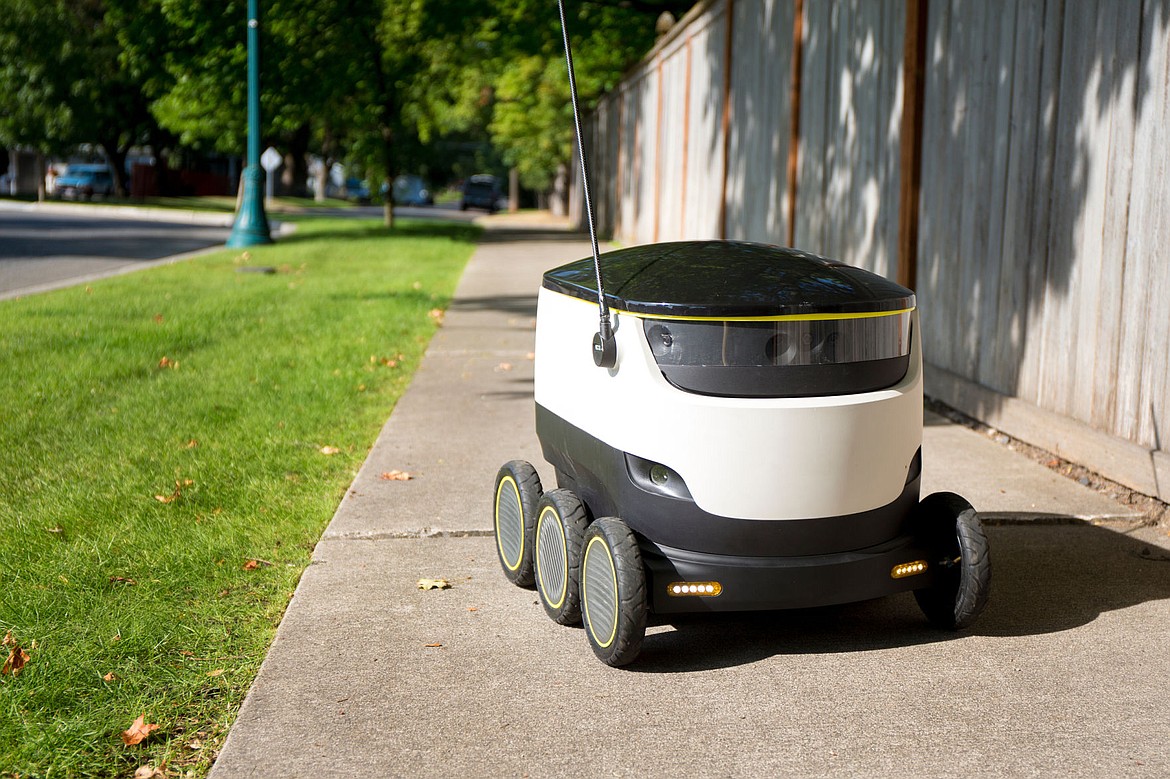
<point x="172" y="444"/>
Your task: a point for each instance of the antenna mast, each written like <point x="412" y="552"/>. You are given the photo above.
<point x="604" y="344"/>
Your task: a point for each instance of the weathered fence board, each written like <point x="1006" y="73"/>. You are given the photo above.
<point x="1043" y="215"/>
<point x="760" y="114"/>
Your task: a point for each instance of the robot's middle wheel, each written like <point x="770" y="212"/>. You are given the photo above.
<point x="613" y="592"/>
<point x="952" y="527"/>
<point x="560" y="533"/>
<point x="518" y="492"/>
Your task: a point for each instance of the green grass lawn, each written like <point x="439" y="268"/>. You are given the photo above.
<point x="158" y="432"/>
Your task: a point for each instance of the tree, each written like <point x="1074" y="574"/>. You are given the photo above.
<point x="532" y="121"/>
<point x="63" y="81"/>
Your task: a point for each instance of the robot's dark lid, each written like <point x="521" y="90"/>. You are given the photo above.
<point x="722" y="279"/>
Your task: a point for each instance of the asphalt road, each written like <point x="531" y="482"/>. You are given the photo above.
<point x="43" y="250"/>
<point x="40" y="251"/>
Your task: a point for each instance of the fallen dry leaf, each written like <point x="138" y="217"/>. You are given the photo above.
<point x="167" y="362"/>
<point x="194" y="744"/>
<point x="329" y="450"/>
<point x="437" y="315"/>
<point x="504" y="366"/>
<point x="158" y="319"/>
<point x="179" y="485"/>
<point x="473" y="608"/>
<point x="150" y="772"/>
<point x="17" y="657"/>
<point x="215" y="673"/>
<point x="433" y="646"/>
<point x="396" y="475"/>
<point x="137" y="731"/>
<point x="192" y="444"/>
<point x="434" y="584"/>
<point x="110" y="677"/>
<point x="121" y="580"/>
<point x="251" y="565"/>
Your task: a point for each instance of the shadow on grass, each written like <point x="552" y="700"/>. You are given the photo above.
<point x="454" y="231"/>
<point x="1047" y="579"/>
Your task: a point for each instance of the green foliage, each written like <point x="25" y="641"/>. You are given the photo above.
<point x="389" y="86"/>
<point x="262" y="372"/>
<point x="532" y="119"/>
<point x="63" y="81"/>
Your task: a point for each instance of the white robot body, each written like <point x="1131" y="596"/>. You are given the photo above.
<point x="778" y="458"/>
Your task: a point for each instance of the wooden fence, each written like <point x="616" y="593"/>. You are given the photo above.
<point x="1001" y="156"/>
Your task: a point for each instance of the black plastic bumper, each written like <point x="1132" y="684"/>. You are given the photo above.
<point x="758" y="583"/>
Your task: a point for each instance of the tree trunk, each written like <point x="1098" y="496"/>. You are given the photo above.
<point x="40" y="176"/>
<point x="295" y="177"/>
<point x="513" y="190"/>
<point x="322" y="180"/>
<point x="117" y="159"/>
<point x="560" y="192"/>
<point x="388" y="158"/>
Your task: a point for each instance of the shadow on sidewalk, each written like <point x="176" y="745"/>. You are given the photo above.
<point x="1046" y="579"/>
<point x="522" y="305"/>
<point x="519" y="233"/>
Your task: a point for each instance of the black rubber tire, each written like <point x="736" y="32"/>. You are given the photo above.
<point x="561" y="523"/>
<point x="951" y="527"/>
<point x="517" y="493"/>
<point x="614" y="582"/>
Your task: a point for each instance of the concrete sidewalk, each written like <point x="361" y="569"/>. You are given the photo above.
<point x="1063" y="675"/>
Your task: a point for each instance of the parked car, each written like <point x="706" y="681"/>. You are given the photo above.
<point x="481" y="191"/>
<point x="357" y="190"/>
<point x="85" y="181"/>
<point x="411" y="190"/>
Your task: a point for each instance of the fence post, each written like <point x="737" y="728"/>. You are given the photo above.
<point x="658" y="151"/>
<point x="686" y="140"/>
<point x="910" y="174"/>
<point x="727" y="41"/>
<point x="794" y="111"/>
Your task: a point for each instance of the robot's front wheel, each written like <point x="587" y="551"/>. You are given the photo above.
<point x="613" y="592"/>
<point x="952" y="527"/>
<point x="517" y="494"/>
<point x="560" y="533"/>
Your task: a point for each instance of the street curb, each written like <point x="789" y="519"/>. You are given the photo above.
<point x="145" y="214"/>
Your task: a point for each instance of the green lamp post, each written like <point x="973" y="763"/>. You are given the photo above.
<point x="251" y="225"/>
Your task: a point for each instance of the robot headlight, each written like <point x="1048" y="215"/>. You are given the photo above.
<point x="656" y="477"/>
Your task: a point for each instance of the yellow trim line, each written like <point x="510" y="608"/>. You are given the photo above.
<point x="779" y="318"/>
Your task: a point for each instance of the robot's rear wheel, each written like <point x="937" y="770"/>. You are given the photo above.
<point x="517" y="494"/>
<point x="560" y="532"/>
<point x="613" y="592"/>
<point x="952" y="527"/>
